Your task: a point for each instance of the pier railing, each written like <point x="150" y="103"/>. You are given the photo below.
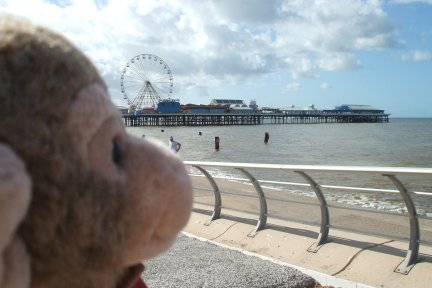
<point x="309" y="173"/>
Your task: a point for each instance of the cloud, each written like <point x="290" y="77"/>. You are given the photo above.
<point x="338" y="61"/>
<point x="417" y="56"/>
<point x="301" y="68"/>
<point x="291" y="87"/>
<point x="213" y="43"/>
<point x="411" y="1"/>
<point x="248" y="11"/>
<point x="325" y="86"/>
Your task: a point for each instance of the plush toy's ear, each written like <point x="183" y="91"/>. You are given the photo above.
<point x="15" y="188"/>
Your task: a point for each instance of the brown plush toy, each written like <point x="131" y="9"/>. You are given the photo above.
<point x="81" y="202"/>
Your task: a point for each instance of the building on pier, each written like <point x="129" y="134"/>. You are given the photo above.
<point x="229" y="102"/>
<point x="203" y="109"/>
<point x="355" y="109"/>
<point x="169" y="106"/>
<point x="293" y="110"/>
<point x="234" y="105"/>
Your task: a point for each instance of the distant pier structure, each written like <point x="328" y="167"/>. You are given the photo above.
<point x="341" y="114"/>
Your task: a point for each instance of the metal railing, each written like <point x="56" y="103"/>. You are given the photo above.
<point x="392" y="173"/>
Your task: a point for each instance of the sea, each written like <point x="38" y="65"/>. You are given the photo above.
<point x="402" y="142"/>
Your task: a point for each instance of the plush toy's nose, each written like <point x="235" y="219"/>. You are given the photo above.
<point x="160" y="197"/>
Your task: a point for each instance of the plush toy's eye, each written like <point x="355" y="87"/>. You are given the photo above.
<point x="116" y="152"/>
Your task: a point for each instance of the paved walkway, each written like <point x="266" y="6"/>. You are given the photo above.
<point x="347" y="256"/>
<point x="347" y="260"/>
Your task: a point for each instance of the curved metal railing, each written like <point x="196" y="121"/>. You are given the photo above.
<point x="392" y="173"/>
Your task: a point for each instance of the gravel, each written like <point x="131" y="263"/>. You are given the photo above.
<point x="195" y="263"/>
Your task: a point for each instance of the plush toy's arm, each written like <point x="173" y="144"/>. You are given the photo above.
<point x="14" y="200"/>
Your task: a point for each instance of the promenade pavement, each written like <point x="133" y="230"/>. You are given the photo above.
<point x="203" y="255"/>
<point x="347" y="260"/>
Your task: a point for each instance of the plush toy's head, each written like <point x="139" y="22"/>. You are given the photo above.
<point x="81" y="202"/>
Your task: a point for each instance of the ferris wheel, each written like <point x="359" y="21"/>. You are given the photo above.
<point x="145" y="81"/>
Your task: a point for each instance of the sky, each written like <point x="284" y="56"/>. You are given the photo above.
<point x="277" y="52"/>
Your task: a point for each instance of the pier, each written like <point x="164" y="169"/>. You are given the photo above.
<point x="213" y="119"/>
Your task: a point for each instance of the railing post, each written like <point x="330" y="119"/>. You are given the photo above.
<point x="217" y="195"/>
<point x="325" y="218"/>
<point x="263" y="203"/>
<point x="413" y="248"/>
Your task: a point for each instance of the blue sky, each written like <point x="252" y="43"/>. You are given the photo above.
<point x="277" y="52"/>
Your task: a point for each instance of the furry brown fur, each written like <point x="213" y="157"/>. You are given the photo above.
<point x="80" y="222"/>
